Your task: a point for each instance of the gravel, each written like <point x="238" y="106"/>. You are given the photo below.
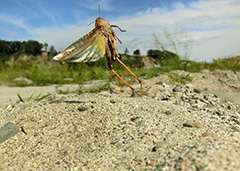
<point x="160" y="129"/>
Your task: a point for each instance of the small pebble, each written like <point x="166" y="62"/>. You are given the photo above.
<point x="192" y="125"/>
<point x="82" y="108"/>
<point x="134" y="118"/>
<point x="196" y="90"/>
<point x="114" y="89"/>
<point x="112" y="101"/>
<point x="8" y="130"/>
<point x="168" y="112"/>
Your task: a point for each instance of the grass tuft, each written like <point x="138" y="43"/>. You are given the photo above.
<point x="38" y="98"/>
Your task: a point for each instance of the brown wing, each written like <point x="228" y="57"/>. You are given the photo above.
<point x="90" y="47"/>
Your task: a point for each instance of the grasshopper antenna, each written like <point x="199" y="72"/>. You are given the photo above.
<point x="90" y="23"/>
<point x="99" y="13"/>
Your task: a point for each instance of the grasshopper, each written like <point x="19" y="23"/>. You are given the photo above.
<point x="100" y="42"/>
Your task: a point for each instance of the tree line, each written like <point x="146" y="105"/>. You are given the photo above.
<point x="30" y="47"/>
<point x="33" y="47"/>
<point x="155" y="53"/>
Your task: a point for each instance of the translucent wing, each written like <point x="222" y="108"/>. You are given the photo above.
<point x="90" y="47"/>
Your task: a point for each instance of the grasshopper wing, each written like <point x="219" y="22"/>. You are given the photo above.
<point x="90" y="47"/>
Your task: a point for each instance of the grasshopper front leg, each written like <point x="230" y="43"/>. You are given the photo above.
<point x="118" y="28"/>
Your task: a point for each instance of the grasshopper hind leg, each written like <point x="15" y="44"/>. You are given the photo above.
<point x="110" y="57"/>
<point x="110" y="67"/>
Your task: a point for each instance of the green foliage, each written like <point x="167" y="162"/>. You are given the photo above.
<point x="75" y="73"/>
<point x="42" y="75"/>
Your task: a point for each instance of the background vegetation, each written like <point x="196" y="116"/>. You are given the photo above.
<point x="26" y="60"/>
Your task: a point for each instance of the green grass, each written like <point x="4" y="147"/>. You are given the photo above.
<point x="37" y="98"/>
<point x="77" y="73"/>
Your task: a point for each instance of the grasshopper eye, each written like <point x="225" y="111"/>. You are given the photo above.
<point x="100" y="27"/>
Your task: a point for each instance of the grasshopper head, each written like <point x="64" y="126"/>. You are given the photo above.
<point x="101" y="22"/>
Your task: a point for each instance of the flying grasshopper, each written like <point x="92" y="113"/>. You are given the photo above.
<point x="100" y="42"/>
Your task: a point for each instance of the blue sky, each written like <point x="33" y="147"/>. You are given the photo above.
<point x="210" y="27"/>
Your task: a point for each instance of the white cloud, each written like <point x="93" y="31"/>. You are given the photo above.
<point x="14" y="21"/>
<point x="50" y="15"/>
<point x="213" y="27"/>
<point x="60" y="37"/>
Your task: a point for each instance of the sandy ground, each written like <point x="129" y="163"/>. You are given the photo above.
<point x="166" y="127"/>
<point x="8" y="95"/>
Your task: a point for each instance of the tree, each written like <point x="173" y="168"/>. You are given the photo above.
<point x="33" y="47"/>
<point x="136" y="53"/>
<point x="5" y="47"/>
<point x="16" y="46"/>
<point x="8" y="48"/>
<point x="52" y="51"/>
<point x="162" y="55"/>
<point x="157" y="54"/>
<point x="45" y="45"/>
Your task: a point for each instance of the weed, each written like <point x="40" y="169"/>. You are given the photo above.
<point x="20" y="98"/>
